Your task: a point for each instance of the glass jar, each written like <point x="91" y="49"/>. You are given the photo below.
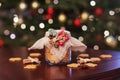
<point x="52" y="60"/>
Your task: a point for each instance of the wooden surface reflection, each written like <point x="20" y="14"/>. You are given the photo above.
<point x="108" y="69"/>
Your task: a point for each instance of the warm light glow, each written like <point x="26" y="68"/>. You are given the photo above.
<point x="15" y="24"/>
<point x="92" y="3"/>
<point x="62" y="28"/>
<point x="47" y="1"/>
<point x="62" y="17"/>
<point x="0" y="4"/>
<point x="111" y="41"/>
<point x="22" y="6"/>
<point x="84" y="16"/>
<point x="118" y="38"/>
<point x="35" y="4"/>
<point x="17" y="20"/>
<point x="20" y="20"/>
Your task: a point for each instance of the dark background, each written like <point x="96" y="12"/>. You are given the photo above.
<point x="93" y="37"/>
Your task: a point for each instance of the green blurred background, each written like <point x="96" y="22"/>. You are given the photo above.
<point x="94" y="22"/>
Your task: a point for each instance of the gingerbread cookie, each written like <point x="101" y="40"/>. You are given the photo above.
<point x="84" y="60"/>
<point x="30" y="67"/>
<point x="80" y="61"/>
<point x="83" y="55"/>
<point x="34" y="54"/>
<point x="105" y="56"/>
<point x="91" y="65"/>
<point x="34" y="60"/>
<point x="95" y="59"/>
<point x="73" y="65"/>
<point x="15" y="59"/>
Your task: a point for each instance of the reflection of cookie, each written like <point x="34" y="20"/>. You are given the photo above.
<point x="106" y="56"/>
<point x="15" y="59"/>
<point x="34" y="54"/>
<point x="91" y="65"/>
<point x="95" y="59"/>
<point x="73" y="65"/>
<point x="30" y="67"/>
<point x="83" y="55"/>
<point x="26" y="61"/>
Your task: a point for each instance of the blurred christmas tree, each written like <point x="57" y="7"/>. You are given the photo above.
<point x="94" y="22"/>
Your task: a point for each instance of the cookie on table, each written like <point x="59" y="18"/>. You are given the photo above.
<point x="83" y="60"/>
<point x="106" y="56"/>
<point x="95" y="59"/>
<point x="80" y="61"/>
<point x="91" y="65"/>
<point x="30" y="67"/>
<point x="35" y="54"/>
<point x="83" y="55"/>
<point x="73" y="65"/>
<point x="15" y="59"/>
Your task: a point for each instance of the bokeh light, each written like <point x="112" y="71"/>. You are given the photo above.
<point x="111" y="12"/>
<point x="92" y="3"/>
<point x="32" y="28"/>
<point x="81" y="38"/>
<point x="42" y="25"/>
<point x="12" y="36"/>
<point x="40" y="10"/>
<point x="55" y="2"/>
<point x="50" y="21"/>
<point x="0" y="4"/>
<point x="6" y="32"/>
<point x="106" y="33"/>
<point x="96" y="47"/>
<point x="62" y="17"/>
<point x="84" y="28"/>
<point x="22" y="5"/>
<point x="35" y="4"/>
<point x="23" y="26"/>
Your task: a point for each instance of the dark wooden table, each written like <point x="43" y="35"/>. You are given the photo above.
<point x="108" y="69"/>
